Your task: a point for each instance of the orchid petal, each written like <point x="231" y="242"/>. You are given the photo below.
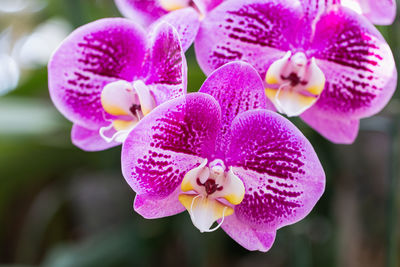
<point x="237" y="87"/>
<point x="247" y="30"/>
<point x="281" y="172"/>
<point x="250" y="238"/>
<point x="358" y="65"/>
<point x="313" y="9"/>
<point x="207" y="5"/>
<point x="89" y="140"/>
<point x="173" y="139"/>
<point x="93" y="56"/>
<point x="166" y="66"/>
<point x="381" y="12"/>
<point x="187" y="22"/>
<point x="143" y="12"/>
<point x="153" y="208"/>
<point x="336" y="130"/>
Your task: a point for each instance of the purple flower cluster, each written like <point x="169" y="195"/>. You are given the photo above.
<point x="224" y="154"/>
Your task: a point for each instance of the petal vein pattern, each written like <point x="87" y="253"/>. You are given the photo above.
<point x="280" y="170"/>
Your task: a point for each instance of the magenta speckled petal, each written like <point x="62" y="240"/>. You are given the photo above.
<point x="91" y="57"/>
<point x="336" y="130"/>
<point x="250" y="238"/>
<point x="89" y="140"/>
<point x="165" y="68"/>
<point x="187" y="22"/>
<point x="237" y="87"/>
<point x="153" y="208"/>
<point x="170" y="141"/>
<point x="142" y="12"/>
<point x="314" y="8"/>
<point x="358" y="65"/>
<point x="247" y="30"/>
<point x="280" y="169"/>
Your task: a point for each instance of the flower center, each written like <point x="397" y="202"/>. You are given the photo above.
<point x="128" y="103"/>
<point x="210" y="194"/>
<point x="171" y="5"/>
<point x="210" y="186"/>
<point x="294" y="83"/>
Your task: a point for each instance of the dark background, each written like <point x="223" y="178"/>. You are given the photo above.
<point x="62" y="207"/>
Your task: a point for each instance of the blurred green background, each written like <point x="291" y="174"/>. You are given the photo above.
<point x="62" y="207"/>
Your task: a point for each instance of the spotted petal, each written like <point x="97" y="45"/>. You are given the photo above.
<point x="91" y="57"/>
<point x="173" y="139"/>
<point x="357" y="63"/>
<point x="282" y="174"/>
<point x="186" y="22"/>
<point x="143" y="12"/>
<point x="250" y="31"/>
<point x="360" y="73"/>
<point x="237" y="87"/>
<point x="165" y="66"/>
<point x="313" y="9"/>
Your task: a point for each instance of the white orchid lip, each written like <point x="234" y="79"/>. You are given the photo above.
<point x="129" y="103"/>
<point x="210" y="194"/>
<point x="294" y="83"/>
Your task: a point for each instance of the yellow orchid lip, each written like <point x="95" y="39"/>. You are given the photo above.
<point x="172" y="5"/>
<point x="129" y="103"/>
<point x="210" y="193"/>
<point x="298" y="83"/>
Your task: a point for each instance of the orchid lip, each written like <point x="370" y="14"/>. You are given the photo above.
<point x="171" y="5"/>
<point x="298" y="83"/>
<point x="128" y="103"/>
<point x="210" y="193"/>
